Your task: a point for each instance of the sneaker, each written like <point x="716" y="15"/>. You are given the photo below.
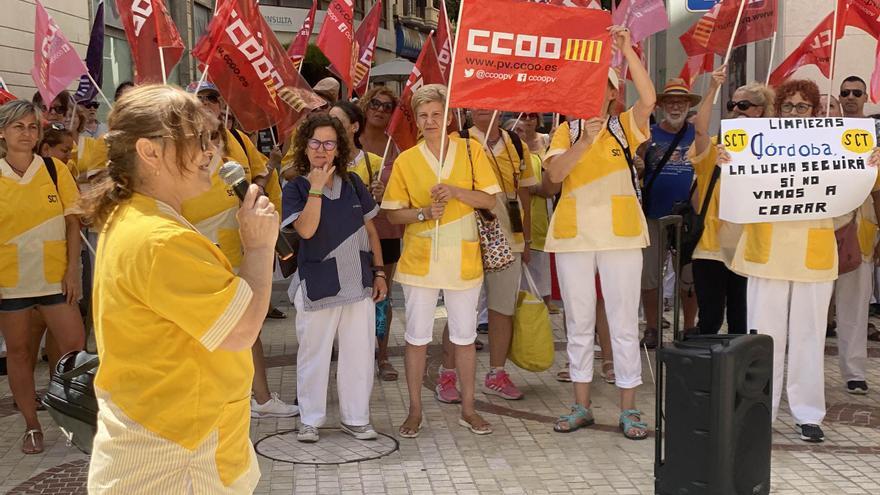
<point x="498" y="383"/>
<point x="811" y="433"/>
<point x="857" y="387"/>
<point x="650" y="339"/>
<point x="365" y="432"/>
<point x="307" y="433"/>
<point x="445" y="390"/>
<point x="483" y="328"/>
<point x="273" y="408"/>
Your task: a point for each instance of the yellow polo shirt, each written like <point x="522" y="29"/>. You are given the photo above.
<point x="598" y="209"/>
<point x="33" y="232"/>
<point x="505" y="163"/>
<point x="719" y="238"/>
<point x="458" y="265"/>
<point x="363" y="171"/>
<point x="89" y="158"/>
<point x="213" y="212"/>
<point x="165" y="298"/>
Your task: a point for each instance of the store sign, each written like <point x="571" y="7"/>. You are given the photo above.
<point x="289" y="20"/>
<point x="700" y="5"/>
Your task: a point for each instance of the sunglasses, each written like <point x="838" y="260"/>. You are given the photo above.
<point x="858" y="93"/>
<point x="92" y="105"/>
<point x="800" y="107"/>
<point x="386" y="106"/>
<point x="314" y="144"/>
<point x="742" y="105"/>
<point x="209" y="98"/>
<point x="58" y="110"/>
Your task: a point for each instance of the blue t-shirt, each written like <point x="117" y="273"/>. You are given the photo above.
<point x="675" y="179"/>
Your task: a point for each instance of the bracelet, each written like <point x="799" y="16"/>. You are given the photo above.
<point x="315" y="193"/>
<point x="380" y="275"/>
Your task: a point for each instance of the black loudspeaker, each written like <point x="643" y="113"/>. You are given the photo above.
<point x="717" y="399"/>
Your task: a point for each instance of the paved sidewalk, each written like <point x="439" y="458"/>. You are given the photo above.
<point x="523" y="455"/>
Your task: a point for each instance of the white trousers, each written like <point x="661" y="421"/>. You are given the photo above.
<point x="355" y="324"/>
<point x="539" y="269"/>
<point x="794" y="313"/>
<point x="461" y="310"/>
<point x="852" y="294"/>
<point x="621" y="274"/>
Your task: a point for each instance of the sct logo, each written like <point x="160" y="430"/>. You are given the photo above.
<point x="532" y="46"/>
<point x="857" y="141"/>
<point x="736" y="140"/>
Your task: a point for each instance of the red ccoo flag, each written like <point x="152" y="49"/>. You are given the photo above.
<point x="365" y="39"/>
<point x="713" y="31"/>
<point x="336" y="40"/>
<point x="696" y="65"/>
<point x="149" y="29"/>
<point x="56" y="63"/>
<point x="444" y="42"/>
<point x="814" y="50"/>
<point x="402" y="128"/>
<point x="300" y="44"/>
<point x="250" y="68"/>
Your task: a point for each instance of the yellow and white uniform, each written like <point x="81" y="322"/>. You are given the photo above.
<point x="719" y="238"/>
<point x="89" y="156"/>
<point x="33" y="232"/>
<point x="174" y="408"/>
<point x="457" y="268"/>
<point x="213" y="212"/>
<point x="599" y="226"/>
<point x="367" y="172"/>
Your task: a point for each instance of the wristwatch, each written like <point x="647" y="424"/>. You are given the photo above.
<point x="421" y="215"/>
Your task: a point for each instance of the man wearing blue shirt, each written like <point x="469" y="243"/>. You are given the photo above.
<point x="667" y="180"/>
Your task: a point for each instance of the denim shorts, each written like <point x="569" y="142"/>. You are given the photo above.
<point x="22" y="303"/>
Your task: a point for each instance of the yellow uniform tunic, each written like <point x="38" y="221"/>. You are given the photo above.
<point x="719" y="238"/>
<point x="213" y="212"/>
<point x="33" y="232"/>
<point x="89" y="158"/>
<point x="459" y="264"/>
<point x="505" y="163"/>
<point x="367" y="173"/>
<point x="598" y="209"/>
<point x="165" y="298"/>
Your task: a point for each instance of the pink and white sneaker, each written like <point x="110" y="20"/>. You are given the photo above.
<point x="445" y="391"/>
<point x="498" y="383"/>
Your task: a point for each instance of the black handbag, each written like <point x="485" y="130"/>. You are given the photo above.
<point x="71" y="399"/>
<point x="693" y="222"/>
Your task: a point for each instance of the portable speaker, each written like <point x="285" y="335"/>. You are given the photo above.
<point x="717" y="399"/>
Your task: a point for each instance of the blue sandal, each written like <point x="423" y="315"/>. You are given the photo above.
<point x="627" y="424"/>
<point x="580" y="417"/>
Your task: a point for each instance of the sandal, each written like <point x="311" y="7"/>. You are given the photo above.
<point x="564" y="375"/>
<point x="386" y="371"/>
<point x="31" y="443"/>
<point x="476" y="424"/>
<point x="580" y="417"/>
<point x="406" y="431"/>
<point x="608" y="372"/>
<point x="873" y="334"/>
<point x="478" y="345"/>
<point x="275" y="314"/>
<point x="634" y="429"/>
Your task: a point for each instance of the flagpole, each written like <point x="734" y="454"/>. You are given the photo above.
<point x="742" y="7"/>
<point x="384" y="156"/>
<point x="772" y="55"/>
<point x="162" y="62"/>
<point x="833" y="53"/>
<point x="444" y="137"/>
<point x="489" y="129"/>
<point x="517" y="120"/>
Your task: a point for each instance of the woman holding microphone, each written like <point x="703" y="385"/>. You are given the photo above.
<point x="173" y="323"/>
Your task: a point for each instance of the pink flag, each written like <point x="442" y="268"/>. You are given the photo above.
<point x="642" y="17"/>
<point x="875" y="79"/>
<point x="56" y="63"/>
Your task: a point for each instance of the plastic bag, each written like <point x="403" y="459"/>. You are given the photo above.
<point x="532" y="346"/>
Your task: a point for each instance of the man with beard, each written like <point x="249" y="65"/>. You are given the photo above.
<point x="667" y="180"/>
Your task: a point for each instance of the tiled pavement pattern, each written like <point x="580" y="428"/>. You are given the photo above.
<point x="523" y="456"/>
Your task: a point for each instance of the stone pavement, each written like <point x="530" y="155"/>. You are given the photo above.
<point x="523" y="455"/>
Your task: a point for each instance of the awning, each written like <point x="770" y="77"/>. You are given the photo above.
<point x="409" y="42"/>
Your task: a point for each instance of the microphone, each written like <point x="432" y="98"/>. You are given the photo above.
<point x="232" y="174"/>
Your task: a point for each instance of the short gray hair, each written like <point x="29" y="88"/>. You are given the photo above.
<point x="427" y="94"/>
<point x="14" y="111"/>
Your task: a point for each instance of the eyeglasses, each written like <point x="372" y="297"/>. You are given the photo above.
<point x="742" y="105"/>
<point x="386" y="106"/>
<point x="314" y="144"/>
<point x="800" y="107"/>
<point x="844" y="93"/>
<point x="58" y="110"/>
<point x="209" y="98"/>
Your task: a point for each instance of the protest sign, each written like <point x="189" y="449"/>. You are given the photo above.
<point x="795" y="169"/>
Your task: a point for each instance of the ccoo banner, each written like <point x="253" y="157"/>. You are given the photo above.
<point x="552" y="59"/>
<point x="795" y="169"/>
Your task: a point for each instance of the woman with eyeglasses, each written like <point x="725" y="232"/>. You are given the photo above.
<point x="174" y="323"/>
<point x="39" y="255"/>
<point x="798" y="98"/>
<point x="214" y="214"/>
<point x="441" y="248"/>
<point x="378" y="105"/>
<point x="339" y="277"/>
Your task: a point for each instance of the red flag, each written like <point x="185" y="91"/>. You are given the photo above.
<point x="814" y="50"/>
<point x="56" y="63"/>
<point x="875" y="79"/>
<point x="149" y="29"/>
<point x="444" y="42"/>
<point x="402" y="127"/>
<point x="861" y="14"/>
<point x="552" y="50"/>
<point x="590" y="4"/>
<point x="336" y="39"/>
<point x="696" y="65"/>
<point x="297" y="50"/>
<point x="713" y="31"/>
<point x="366" y="37"/>
<point x="250" y="68"/>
